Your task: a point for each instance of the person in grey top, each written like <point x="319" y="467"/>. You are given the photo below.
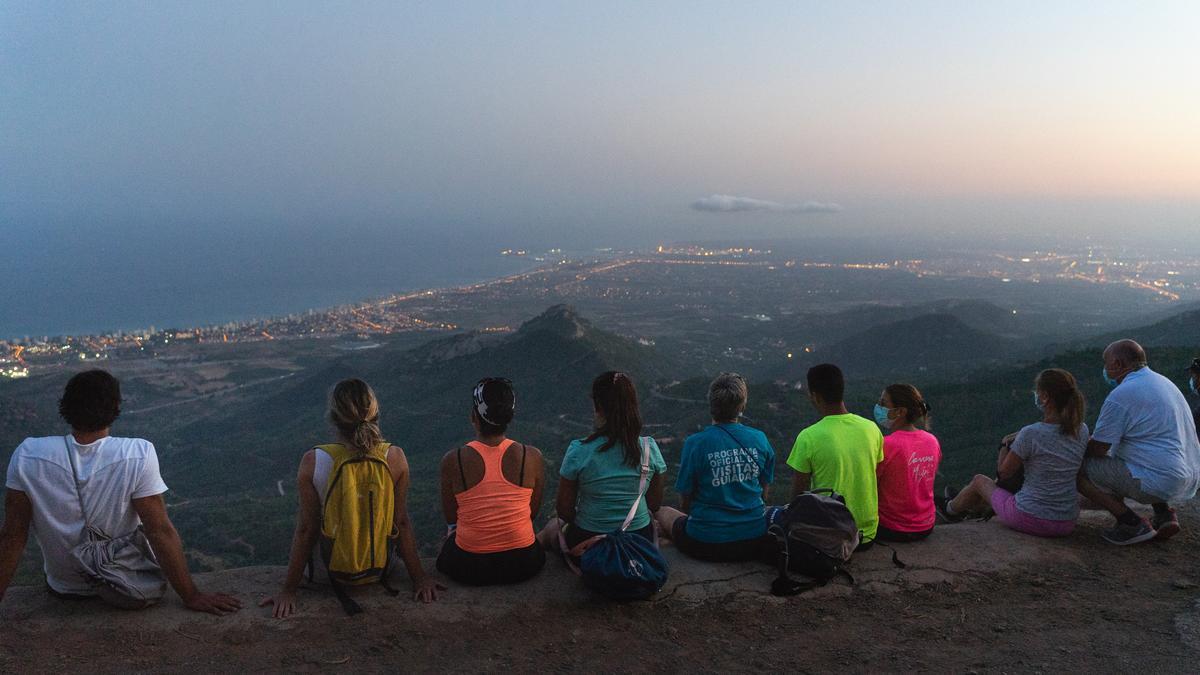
<point x="1047" y="453"/>
<point x="1051" y="457"/>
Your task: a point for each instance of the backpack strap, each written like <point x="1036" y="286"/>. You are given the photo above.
<point x="87" y="522"/>
<point x="784" y="585"/>
<point x="524" y="450"/>
<point x="348" y="604"/>
<point x="644" y="441"/>
<point x="895" y="554"/>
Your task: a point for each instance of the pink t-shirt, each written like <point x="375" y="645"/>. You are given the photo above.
<point x="910" y="462"/>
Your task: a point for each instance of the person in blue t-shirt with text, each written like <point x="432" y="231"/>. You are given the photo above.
<point x="725" y="473"/>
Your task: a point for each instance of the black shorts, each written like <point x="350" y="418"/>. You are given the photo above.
<point x="487" y="569"/>
<point x="884" y="534"/>
<point x="759" y="548"/>
<point x="577" y="535"/>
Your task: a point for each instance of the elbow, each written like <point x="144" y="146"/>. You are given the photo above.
<point x="305" y="531"/>
<point x="566" y="512"/>
<point x="11" y="535"/>
<point x="160" y="531"/>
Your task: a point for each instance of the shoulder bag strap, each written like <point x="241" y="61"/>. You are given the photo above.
<point x="87" y="524"/>
<point x="741" y="446"/>
<point x="644" y="441"/>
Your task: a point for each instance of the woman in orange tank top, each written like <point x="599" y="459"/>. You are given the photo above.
<point x="491" y="491"/>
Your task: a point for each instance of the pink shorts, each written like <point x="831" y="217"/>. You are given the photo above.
<point x="1004" y="503"/>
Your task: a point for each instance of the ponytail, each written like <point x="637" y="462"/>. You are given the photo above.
<point x="910" y="399"/>
<point x="614" y="396"/>
<point x="1063" y="393"/>
<point x="354" y="412"/>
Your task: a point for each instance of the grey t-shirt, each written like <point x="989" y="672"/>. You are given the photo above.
<point x="1052" y="461"/>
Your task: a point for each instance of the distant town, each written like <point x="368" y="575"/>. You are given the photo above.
<point x="1167" y="280"/>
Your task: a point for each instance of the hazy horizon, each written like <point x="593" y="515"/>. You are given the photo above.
<point x="179" y="137"/>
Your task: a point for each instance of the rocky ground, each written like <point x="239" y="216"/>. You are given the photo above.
<point x="974" y="598"/>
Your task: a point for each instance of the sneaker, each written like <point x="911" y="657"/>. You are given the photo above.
<point x="1166" y="524"/>
<point x="1124" y="535"/>
<point x="939" y="504"/>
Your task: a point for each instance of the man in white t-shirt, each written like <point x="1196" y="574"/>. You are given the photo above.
<point x="121" y="489"/>
<point x="1144" y="447"/>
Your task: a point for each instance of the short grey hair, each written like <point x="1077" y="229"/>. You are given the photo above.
<point x="727" y="396"/>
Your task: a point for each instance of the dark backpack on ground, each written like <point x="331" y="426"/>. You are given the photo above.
<point x="815" y="536"/>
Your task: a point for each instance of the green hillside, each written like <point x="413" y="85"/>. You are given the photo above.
<point x="1180" y="329"/>
<point x="231" y="468"/>
<point x="928" y="344"/>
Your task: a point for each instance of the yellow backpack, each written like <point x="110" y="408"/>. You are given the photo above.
<point x="357" y="529"/>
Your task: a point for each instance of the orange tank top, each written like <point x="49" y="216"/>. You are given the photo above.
<point x="493" y="515"/>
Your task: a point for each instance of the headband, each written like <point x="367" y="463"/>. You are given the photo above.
<point x="481" y="406"/>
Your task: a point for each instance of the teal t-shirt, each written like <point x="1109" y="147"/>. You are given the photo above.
<point x="607" y="484"/>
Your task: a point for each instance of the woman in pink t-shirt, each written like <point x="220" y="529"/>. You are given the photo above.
<point x="910" y="462"/>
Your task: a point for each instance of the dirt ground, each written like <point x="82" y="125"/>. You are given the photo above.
<point x="975" y="598"/>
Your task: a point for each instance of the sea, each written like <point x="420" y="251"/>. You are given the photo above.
<point x="86" y="281"/>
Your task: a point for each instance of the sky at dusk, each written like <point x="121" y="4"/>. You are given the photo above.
<point x="598" y="123"/>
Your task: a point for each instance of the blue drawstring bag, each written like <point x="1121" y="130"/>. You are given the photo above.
<point x="622" y="565"/>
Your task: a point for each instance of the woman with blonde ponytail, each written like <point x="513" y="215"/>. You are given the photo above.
<point x="1049" y="453"/>
<point x="354" y="414"/>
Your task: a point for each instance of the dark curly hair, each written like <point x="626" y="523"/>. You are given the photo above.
<point x="91" y="401"/>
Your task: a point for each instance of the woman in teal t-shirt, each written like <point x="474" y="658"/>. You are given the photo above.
<point x="600" y="474"/>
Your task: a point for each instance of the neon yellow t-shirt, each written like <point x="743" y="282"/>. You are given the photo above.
<point x="841" y="452"/>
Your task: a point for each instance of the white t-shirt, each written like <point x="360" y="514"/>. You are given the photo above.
<point x="1147" y="421"/>
<point x="112" y="472"/>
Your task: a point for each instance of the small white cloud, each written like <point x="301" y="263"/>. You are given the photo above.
<point x="732" y="204"/>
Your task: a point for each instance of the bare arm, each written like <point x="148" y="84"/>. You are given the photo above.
<point x="654" y="493"/>
<point x="424" y="587"/>
<point x="304" y="539"/>
<point x="18" y="513"/>
<point x="1010" y="465"/>
<point x="449" y="472"/>
<point x="1097" y="448"/>
<point x="168" y="548"/>
<point x="801" y="482"/>
<point x="537" y="468"/>
<point x="564" y="503"/>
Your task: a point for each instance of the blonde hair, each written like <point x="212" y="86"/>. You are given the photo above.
<point x="354" y="412"/>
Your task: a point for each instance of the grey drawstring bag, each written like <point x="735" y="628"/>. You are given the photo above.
<point x="122" y="570"/>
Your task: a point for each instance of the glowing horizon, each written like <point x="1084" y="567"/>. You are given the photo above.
<point x="541" y="117"/>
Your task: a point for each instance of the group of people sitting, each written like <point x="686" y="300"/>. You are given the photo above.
<point x="1144" y="448"/>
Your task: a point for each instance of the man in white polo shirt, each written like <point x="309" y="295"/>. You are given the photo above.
<point x="1144" y="447"/>
<point x="119" y="483"/>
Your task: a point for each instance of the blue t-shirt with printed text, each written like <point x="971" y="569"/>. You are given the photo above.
<point x="723" y="470"/>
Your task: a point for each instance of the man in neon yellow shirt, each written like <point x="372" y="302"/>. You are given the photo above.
<point x="840" y="451"/>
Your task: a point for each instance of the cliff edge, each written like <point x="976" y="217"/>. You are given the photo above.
<point x="975" y="596"/>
